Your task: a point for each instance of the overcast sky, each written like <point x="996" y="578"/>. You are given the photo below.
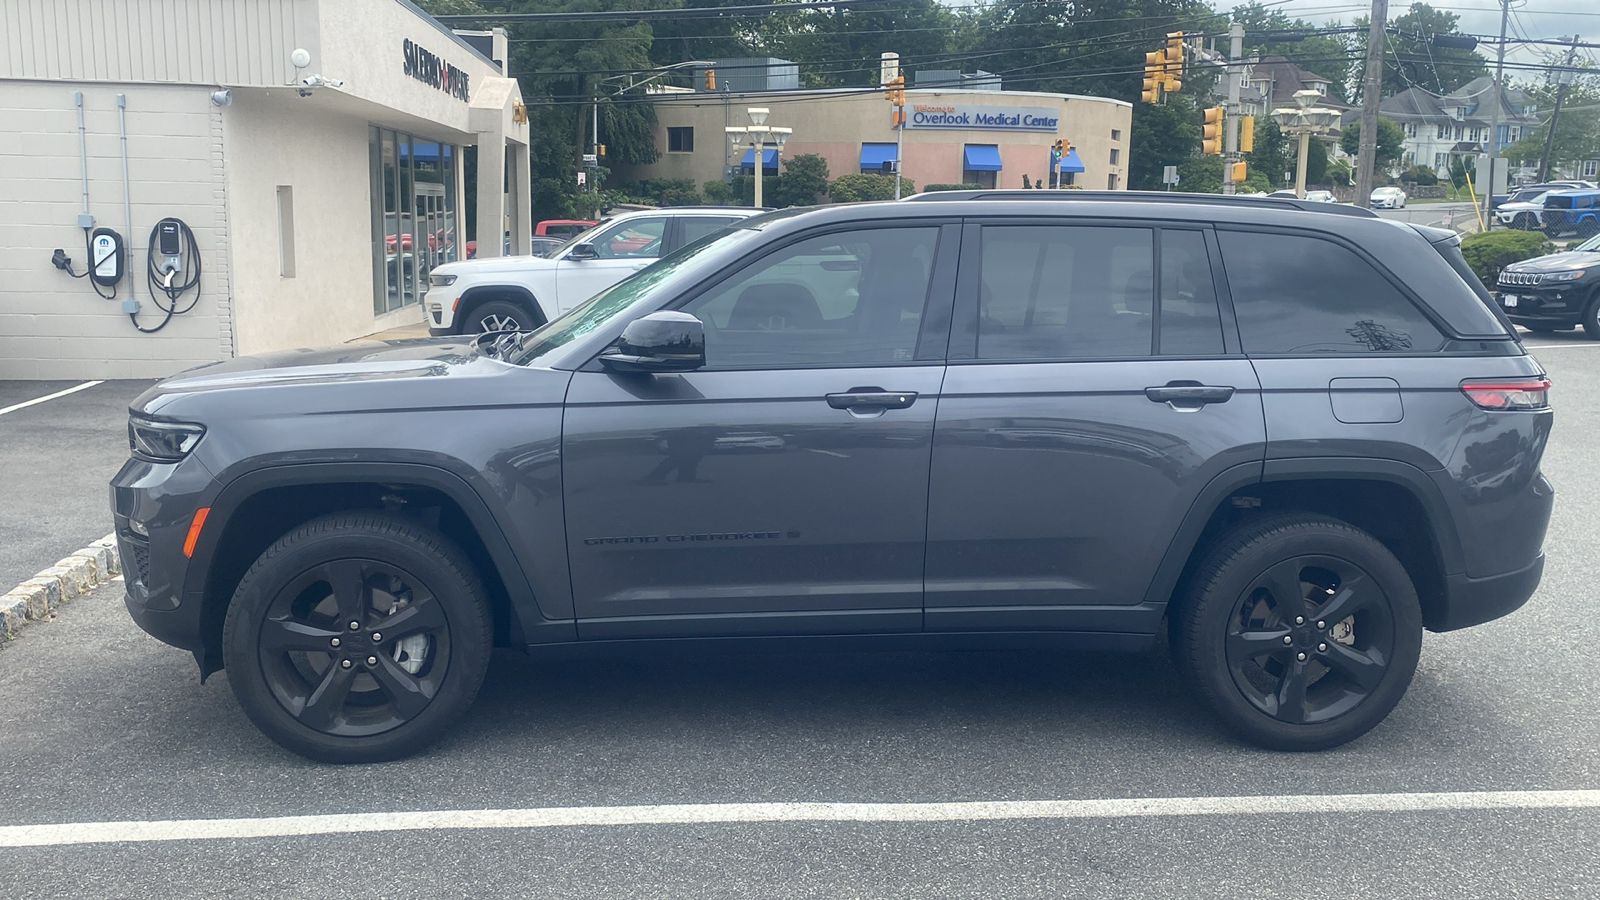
<point x="1530" y="19"/>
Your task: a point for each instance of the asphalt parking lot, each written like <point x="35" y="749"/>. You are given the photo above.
<point x="101" y="724"/>
<point x="59" y="455"/>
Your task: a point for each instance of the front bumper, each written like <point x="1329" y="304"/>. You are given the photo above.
<point x="1544" y="306"/>
<point x="439" y="305"/>
<point x="163" y="499"/>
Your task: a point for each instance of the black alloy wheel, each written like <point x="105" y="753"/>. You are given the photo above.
<point x="1591" y="316"/>
<point x="356" y="638"/>
<point x="1299" y="631"/>
<point x="1311" y="639"/>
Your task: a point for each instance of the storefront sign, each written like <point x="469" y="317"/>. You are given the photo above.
<point x="434" y="71"/>
<point x="988" y="118"/>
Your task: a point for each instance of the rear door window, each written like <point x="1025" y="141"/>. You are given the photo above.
<point x="1299" y="294"/>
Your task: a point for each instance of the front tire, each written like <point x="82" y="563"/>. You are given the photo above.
<point x="501" y="315"/>
<point x="357" y="637"/>
<point x="1591" y="317"/>
<point x="1300" y="632"/>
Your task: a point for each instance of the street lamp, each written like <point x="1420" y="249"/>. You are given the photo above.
<point x="1305" y="120"/>
<point x="756" y="137"/>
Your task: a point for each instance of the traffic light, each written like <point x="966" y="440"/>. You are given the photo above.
<point x="1237" y="172"/>
<point x="600" y="150"/>
<point x="1211" y="134"/>
<point x="1171" y="80"/>
<point x="1247" y="133"/>
<point x="895" y="91"/>
<point x="711" y="79"/>
<point x="1153" y="63"/>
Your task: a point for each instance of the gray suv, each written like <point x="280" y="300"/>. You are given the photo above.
<point x="1287" y="436"/>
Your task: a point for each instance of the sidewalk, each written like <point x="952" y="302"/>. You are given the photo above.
<point x="418" y="330"/>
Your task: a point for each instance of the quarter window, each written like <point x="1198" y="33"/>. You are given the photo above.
<point x="849" y="299"/>
<point x="697" y="227"/>
<point x="1296" y="294"/>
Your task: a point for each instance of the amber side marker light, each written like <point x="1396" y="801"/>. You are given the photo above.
<point x="1508" y="393"/>
<point x="194" y="530"/>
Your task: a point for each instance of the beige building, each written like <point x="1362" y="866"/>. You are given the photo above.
<point x="305" y="157"/>
<point x="992" y="138"/>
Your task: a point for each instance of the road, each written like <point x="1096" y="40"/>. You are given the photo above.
<point x="99" y="723"/>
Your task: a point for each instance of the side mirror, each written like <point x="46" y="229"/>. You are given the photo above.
<point x="583" y="251"/>
<point x="665" y="341"/>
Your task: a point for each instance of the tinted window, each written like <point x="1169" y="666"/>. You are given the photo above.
<point x="1299" y="294"/>
<point x="635" y="238"/>
<point x="1065" y="292"/>
<point x="1190" y="322"/>
<point x="697" y="227"/>
<point x="847" y="299"/>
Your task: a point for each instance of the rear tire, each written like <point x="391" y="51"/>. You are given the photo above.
<point x="357" y="637"/>
<point x="1591" y="317"/>
<point x="1300" y="632"/>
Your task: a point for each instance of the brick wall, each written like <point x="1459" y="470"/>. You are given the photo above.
<point x="53" y="326"/>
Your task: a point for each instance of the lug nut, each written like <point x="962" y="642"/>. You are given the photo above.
<point x="335" y="642"/>
<point x="1322" y="648"/>
<point x="372" y="660"/>
<point x="1300" y="656"/>
<point x="1299" y="620"/>
<point x="355" y="626"/>
<point x="344" y="663"/>
<point x="1322" y="624"/>
<point x="377" y="636"/>
<point x="1287" y="639"/>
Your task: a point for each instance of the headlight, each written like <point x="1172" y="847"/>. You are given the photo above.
<point x="438" y="280"/>
<point x="1573" y="275"/>
<point x="163" y="441"/>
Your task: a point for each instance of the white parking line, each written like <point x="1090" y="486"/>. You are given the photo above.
<point x="37" y="400"/>
<point x="747" y="813"/>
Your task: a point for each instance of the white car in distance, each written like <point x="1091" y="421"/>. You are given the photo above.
<point x="1388" y="198"/>
<point x="520" y="293"/>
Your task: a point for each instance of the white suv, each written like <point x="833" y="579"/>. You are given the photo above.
<point x="524" y="292"/>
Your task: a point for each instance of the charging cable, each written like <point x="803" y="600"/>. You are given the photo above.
<point x="161" y="274"/>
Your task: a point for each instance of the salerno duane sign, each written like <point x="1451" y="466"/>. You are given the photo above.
<point x="433" y="71"/>
<point x="991" y="118"/>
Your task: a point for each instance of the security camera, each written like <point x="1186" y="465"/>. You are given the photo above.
<point x="221" y="98"/>
<point x="316" y="81"/>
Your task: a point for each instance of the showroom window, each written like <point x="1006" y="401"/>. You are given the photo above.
<point x="414" y="214"/>
<point x="680" y="140"/>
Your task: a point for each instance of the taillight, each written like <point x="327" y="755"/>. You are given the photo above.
<point x="1509" y="393"/>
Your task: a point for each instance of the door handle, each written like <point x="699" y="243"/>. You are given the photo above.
<point x="1189" y="396"/>
<point x="874" y="397"/>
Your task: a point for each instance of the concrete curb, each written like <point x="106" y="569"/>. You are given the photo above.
<point x="40" y="596"/>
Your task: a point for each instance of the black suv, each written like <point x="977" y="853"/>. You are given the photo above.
<point x="1288" y="435"/>
<point x="1555" y="292"/>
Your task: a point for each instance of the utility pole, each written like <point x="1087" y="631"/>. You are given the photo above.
<point x="1494" y="115"/>
<point x="1563" y="79"/>
<point x="1231" y="122"/>
<point x="1371" y="89"/>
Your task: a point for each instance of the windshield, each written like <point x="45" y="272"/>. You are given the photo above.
<point x="592" y="313"/>
<point x="1592" y="244"/>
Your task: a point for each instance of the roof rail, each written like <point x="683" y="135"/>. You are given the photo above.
<point x="1148" y="197"/>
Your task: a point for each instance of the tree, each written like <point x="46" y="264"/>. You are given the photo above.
<point x="1391" y="142"/>
<point x="1577" y="131"/>
<point x="1271" y="32"/>
<point x="1411" y="59"/>
<point x="855" y="188"/>
<point x="804" y="178"/>
<point x="1161" y="136"/>
<point x="1316" y="160"/>
<point x="1272" y="154"/>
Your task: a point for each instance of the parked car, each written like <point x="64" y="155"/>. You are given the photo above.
<point x="524" y="292"/>
<point x="1555" y="292"/>
<point x="562" y="228"/>
<point x="1388" y="198"/>
<point x="1571" y="212"/>
<point x="1524" y="214"/>
<point x="1526" y="192"/>
<point x="820" y="426"/>
<point x="1321" y="196"/>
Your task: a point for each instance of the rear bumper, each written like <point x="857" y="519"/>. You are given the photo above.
<point x="1473" y="601"/>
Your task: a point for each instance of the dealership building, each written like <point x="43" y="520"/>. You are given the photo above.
<point x="276" y="173"/>
<point x="959" y="129"/>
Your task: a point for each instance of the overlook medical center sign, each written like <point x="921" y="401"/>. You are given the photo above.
<point x="995" y="118"/>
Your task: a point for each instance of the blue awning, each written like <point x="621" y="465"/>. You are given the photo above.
<point x="981" y="158"/>
<point x="1071" y="162"/>
<point x="769" y="159"/>
<point x="873" y="156"/>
